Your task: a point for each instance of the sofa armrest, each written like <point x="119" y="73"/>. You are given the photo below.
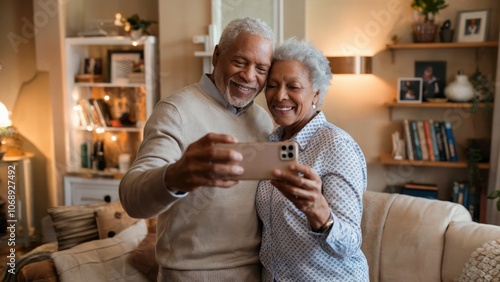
<point x="414" y="238"/>
<point x="462" y="238"/>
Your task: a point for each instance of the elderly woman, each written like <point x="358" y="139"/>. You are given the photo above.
<point x="311" y="216"/>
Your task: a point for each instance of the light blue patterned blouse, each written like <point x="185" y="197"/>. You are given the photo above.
<point x="290" y="250"/>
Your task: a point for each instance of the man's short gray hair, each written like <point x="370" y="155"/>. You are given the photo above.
<point x="244" y="25"/>
<point x="304" y="52"/>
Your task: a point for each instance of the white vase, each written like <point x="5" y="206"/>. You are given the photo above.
<point x="460" y="90"/>
<point x="135" y="34"/>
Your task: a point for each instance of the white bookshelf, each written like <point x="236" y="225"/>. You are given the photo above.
<point x="138" y="98"/>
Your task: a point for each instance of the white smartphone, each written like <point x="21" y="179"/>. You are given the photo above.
<point x="260" y="158"/>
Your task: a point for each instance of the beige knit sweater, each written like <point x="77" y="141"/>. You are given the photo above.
<point x="212" y="233"/>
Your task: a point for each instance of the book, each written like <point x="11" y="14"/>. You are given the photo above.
<point x="423" y="141"/>
<point x="104" y="110"/>
<point x="424" y="186"/>
<point x="451" y="142"/>
<point x="428" y="140"/>
<point x="423" y="190"/>
<point x="98" y="110"/>
<point x="435" y="148"/>
<point x="416" y="141"/>
<point x="468" y="196"/>
<point x="439" y="141"/>
<point x="473" y="203"/>
<point x="87" y="112"/>
<point x="81" y="115"/>
<point x="454" y="196"/>
<point x="408" y="139"/>
<point x="445" y="140"/>
<point x="95" y="116"/>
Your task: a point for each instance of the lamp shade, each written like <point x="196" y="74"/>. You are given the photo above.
<point x="4" y="116"/>
<point x="351" y="65"/>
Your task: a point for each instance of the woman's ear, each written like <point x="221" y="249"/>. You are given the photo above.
<point x="316" y="97"/>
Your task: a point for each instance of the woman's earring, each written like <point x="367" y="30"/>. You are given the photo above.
<point x="314" y="106"/>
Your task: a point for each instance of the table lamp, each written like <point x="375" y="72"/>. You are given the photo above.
<point x="10" y="141"/>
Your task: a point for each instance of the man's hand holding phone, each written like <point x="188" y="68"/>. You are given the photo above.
<point x="204" y="164"/>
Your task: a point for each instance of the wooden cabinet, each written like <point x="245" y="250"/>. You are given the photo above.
<point x="466" y="125"/>
<point x="110" y="91"/>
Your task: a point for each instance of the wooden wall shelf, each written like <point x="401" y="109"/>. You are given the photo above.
<point x="442" y="45"/>
<point x="387" y="159"/>
<point x="395" y="104"/>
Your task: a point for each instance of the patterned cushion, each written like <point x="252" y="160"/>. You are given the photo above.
<point x="74" y="224"/>
<point x="111" y="219"/>
<point x="483" y="264"/>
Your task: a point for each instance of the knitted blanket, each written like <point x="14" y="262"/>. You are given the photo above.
<point x="375" y="209"/>
<point x="40" y="253"/>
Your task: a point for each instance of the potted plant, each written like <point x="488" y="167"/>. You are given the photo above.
<point x="425" y="29"/>
<point x="7" y="134"/>
<point x="135" y="26"/>
<point x="484" y="89"/>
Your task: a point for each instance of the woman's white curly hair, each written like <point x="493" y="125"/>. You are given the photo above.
<point x="304" y="52"/>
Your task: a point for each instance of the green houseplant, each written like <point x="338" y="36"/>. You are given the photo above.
<point x="425" y="29"/>
<point x="484" y="90"/>
<point x="134" y="22"/>
<point x="428" y="8"/>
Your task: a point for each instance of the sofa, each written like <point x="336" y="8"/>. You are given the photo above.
<point x="405" y="238"/>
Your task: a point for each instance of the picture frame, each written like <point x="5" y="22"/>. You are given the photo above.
<point x="410" y="89"/>
<point x="473" y="25"/>
<point x="433" y="74"/>
<point x="121" y="64"/>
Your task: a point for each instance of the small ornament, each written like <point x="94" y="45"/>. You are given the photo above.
<point x="460" y="90"/>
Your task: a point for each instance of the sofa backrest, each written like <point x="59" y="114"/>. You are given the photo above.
<point x="403" y="236"/>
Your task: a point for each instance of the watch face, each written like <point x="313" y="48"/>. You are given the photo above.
<point x="329" y="224"/>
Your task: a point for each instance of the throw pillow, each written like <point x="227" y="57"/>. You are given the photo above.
<point x="111" y="219"/>
<point x="483" y="264"/>
<point x="38" y="271"/>
<point x="102" y="260"/>
<point x="143" y="258"/>
<point x="74" y="224"/>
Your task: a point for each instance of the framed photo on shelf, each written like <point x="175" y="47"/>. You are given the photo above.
<point x="410" y="90"/>
<point x="121" y="64"/>
<point x="472" y="26"/>
<point x="433" y="74"/>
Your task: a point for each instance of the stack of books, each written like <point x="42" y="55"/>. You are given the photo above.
<point x="94" y="113"/>
<point x="424" y="190"/>
<point x="429" y="140"/>
<point x="468" y="196"/>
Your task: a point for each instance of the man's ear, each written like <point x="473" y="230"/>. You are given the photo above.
<point x="215" y="55"/>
